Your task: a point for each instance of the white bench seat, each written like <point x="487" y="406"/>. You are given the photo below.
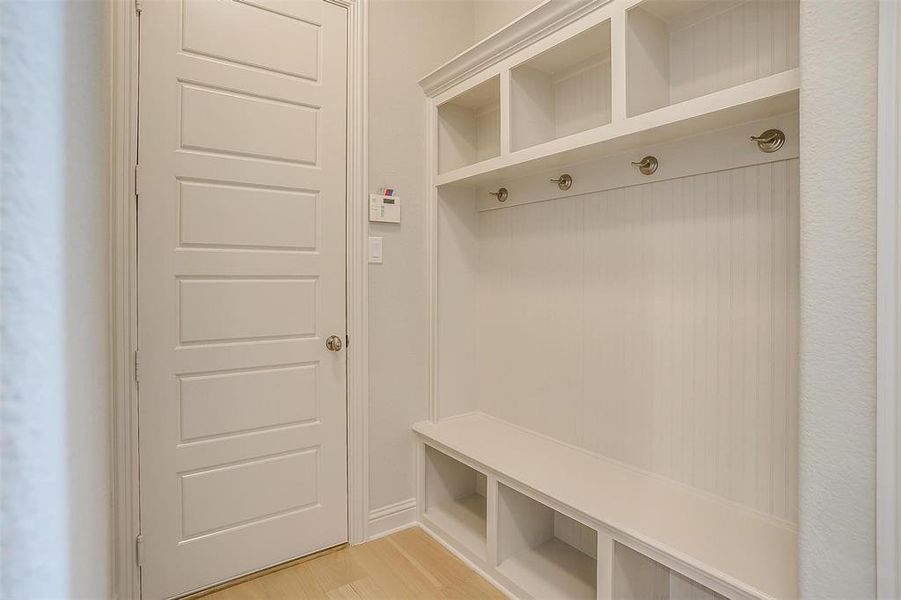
<point x="741" y="551"/>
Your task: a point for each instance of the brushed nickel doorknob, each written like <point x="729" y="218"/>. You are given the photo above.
<point x="334" y="343"/>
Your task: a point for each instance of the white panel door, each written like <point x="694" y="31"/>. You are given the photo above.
<point x="241" y="250"/>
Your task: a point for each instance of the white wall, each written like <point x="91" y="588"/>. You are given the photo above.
<point x="407" y="39"/>
<point x="491" y="15"/>
<point x="838" y="243"/>
<point x="56" y="492"/>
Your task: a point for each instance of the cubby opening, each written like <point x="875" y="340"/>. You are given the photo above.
<point x="469" y="126"/>
<point x="637" y="577"/>
<point x="546" y="553"/>
<point x="563" y="90"/>
<point x="455" y="499"/>
<point x="676" y="51"/>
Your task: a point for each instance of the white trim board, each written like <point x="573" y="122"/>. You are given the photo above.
<point x="124" y="52"/>
<point x="391" y="518"/>
<point x="888" y="273"/>
<point x="720" y="150"/>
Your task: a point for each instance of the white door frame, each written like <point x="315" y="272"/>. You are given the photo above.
<point x="888" y="301"/>
<point x="123" y="52"/>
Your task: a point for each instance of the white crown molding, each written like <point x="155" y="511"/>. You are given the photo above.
<point x="536" y="24"/>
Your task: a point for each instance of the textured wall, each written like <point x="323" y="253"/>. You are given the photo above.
<point x="838" y="242"/>
<point x="33" y="520"/>
<point x="55" y="516"/>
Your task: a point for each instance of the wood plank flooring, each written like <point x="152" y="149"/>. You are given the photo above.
<point x="407" y="564"/>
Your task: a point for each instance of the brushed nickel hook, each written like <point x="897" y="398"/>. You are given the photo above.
<point x="770" y="140"/>
<point x="564" y="182"/>
<point x="501" y="194"/>
<point x="647" y="165"/>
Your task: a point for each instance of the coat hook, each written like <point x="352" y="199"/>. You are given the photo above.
<point x="564" y="182"/>
<point x="646" y="165"/>
<point x="501" y="194"/>
<point x="770" y="140"/>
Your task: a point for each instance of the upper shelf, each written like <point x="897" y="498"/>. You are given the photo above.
<point x="770" y="96"/>
<point x="574" y="80"/>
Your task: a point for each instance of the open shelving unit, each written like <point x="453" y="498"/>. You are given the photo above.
<point x="677" y="51"/>
<point x="543" y="550"/>
<point x="614" y="355"/>
<point x="585" y="96"/>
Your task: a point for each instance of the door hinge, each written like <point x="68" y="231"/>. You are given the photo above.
<point x="347" y="341"/>
<point x="139" y="550"/>
<point x="137" y="180"/>
<point x="139" y="6"/>
<point x="137" y="368"/>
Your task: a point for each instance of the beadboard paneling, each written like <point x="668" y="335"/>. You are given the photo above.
<point x="488" y="134"/>
<point x="582" y="99"/>
<point x="581" y="537"/>
<point x="655" y="324"/>
<point x="726" y="48"/>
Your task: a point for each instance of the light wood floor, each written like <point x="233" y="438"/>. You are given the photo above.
<point x="407" y="564"/>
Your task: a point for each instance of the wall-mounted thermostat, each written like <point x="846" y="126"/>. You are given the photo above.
<point x="384" y="209"/>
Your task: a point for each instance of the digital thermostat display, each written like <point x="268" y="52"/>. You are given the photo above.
<point x="384" y="209"/>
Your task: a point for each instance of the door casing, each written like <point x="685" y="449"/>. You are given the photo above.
<point x="124" y="53"/>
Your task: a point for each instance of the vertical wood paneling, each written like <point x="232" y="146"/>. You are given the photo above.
<point x="581" y="537"/>
<point x="655" y="324"/>
<point x="488" y="134"/>
<point x="582" y="99"/>
<point x="745" y="42"/>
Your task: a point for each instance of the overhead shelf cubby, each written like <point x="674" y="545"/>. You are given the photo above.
<point x="676" y="51"/>
<point x="469" y="127"/>
<point x="563" y="90"/>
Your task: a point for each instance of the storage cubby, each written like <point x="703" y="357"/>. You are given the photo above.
<point x="676" y="51"/>
<point x="546" y="553"/>
<point x="469" y="127"/>
<point x="563" y="90"/>
<point x="455" y="499"/>
<point x="637" y="577"/>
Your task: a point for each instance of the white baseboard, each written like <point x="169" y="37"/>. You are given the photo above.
<point x="389" y="519"/>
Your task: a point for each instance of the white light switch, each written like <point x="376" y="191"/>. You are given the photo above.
<point x="375" y="250"/>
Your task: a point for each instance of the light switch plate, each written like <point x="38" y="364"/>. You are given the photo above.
<point x="375" y="250"/>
